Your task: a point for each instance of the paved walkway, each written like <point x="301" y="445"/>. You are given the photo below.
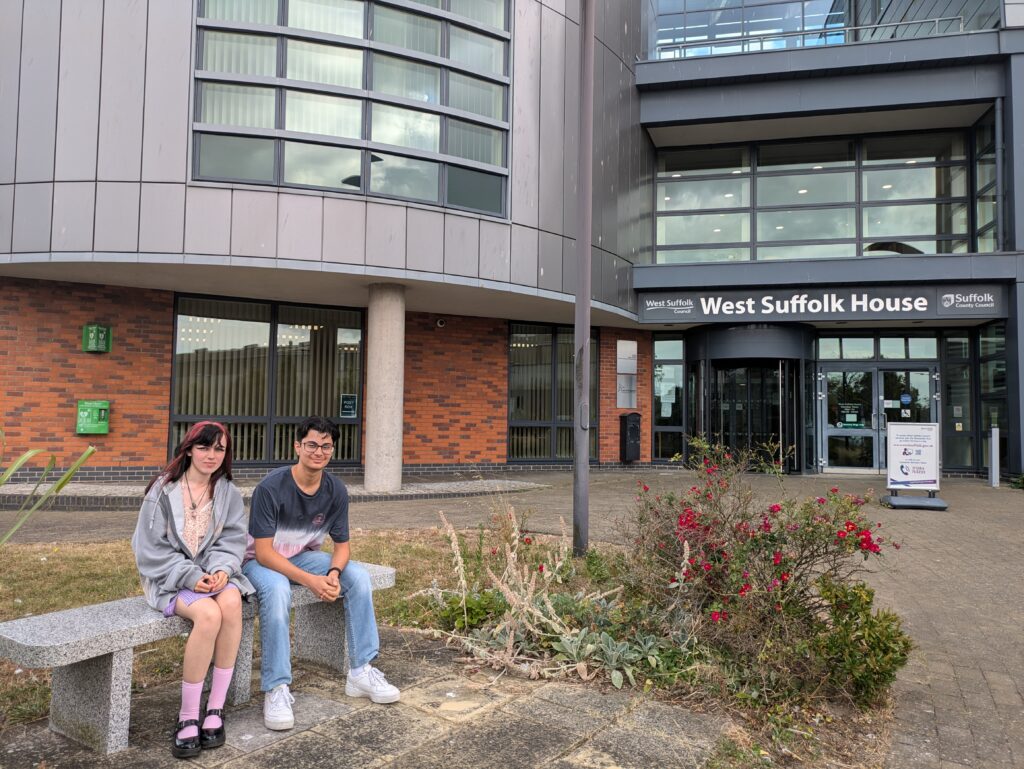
<point x="956" y="581"/>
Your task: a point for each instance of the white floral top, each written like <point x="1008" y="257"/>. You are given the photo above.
<point x="197" y="521"/>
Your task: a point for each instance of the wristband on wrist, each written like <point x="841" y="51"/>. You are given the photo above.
<point x="333" y="568"/>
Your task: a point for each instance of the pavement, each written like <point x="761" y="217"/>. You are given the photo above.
<point x="956" y="582"/>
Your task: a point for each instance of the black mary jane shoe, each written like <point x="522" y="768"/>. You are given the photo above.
<point x="212" y="738"/>
<point x="188" y="747"/>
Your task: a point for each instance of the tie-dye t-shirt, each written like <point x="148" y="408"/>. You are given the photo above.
<point x="297" y="521"/>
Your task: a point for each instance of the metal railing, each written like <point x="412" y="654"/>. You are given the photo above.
<point x="949" y="25"/>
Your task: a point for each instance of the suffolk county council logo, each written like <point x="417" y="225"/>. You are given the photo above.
<point x="948" y="300"/>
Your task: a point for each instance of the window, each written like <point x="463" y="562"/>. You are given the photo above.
<point x="225" y="368"/>
<point x="343" y="92"/>
<point x="992" y="385"/>
<point x="817" y="199"/>
<point x="540" y="406"/>
<point x="669" y="394"/>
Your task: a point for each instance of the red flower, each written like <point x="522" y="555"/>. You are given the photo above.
<point x="775" y="508"/>
<point x="646" y="487"/>
<point x="841" y="534"/>
<point x="896" y="545"/>
<point x="541" y="568"/>
<point x="494" y="551"/>
<point x="527" y="541"/>
<point x="834" y="489"/>
<point x="707" y="566"/>
<point x="784" y="576"/>
<point x="777" y="558"/>
<point x="821" y="500"/>
<point x="715" y="616"/>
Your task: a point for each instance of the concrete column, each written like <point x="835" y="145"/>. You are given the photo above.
<point x="385" y="387"/>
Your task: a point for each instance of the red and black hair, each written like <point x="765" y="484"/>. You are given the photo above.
<point x="200" y="434"/>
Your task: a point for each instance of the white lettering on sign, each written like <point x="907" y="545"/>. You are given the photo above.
<point x="866" y="302"/>
<point x="715" y="305"/>
<point x="800" y="303"/>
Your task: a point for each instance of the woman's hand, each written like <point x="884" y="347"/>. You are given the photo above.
<point x="211" y="583"/>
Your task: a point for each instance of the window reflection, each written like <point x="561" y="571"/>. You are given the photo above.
<point x="318" y="165"/>
<point x="406" y="127"/>
<point x="404" y="177"/>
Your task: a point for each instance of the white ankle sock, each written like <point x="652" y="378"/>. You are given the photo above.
<point x="356" y="672"/>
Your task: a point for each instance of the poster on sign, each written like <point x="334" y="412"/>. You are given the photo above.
<point x="913" y="455"/>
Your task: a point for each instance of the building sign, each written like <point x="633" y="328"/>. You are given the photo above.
<point x="858" y="303"/>
<point x="912" y="450"/>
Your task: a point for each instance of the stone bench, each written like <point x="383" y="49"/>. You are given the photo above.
<point x="90" y="650"/>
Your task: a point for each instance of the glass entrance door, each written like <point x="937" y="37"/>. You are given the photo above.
<point x="752" y="405"/>
<point x="859" y="402"/>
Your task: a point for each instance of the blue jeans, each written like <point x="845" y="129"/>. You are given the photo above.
<point x="274" y="593"/>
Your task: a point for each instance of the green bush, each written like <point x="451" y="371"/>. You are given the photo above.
<point x="480" y="607"/>
<point x="862" y="650"/>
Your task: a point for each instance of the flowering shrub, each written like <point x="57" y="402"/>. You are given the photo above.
<point x="749" y="578"/>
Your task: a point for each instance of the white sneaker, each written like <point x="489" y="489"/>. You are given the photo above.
<point x="277" y="708"/>
<point x="371" y="683"/>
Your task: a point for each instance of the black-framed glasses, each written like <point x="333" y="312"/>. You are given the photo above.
<point x="313" y="447"/>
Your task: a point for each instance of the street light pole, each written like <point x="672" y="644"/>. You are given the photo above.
<point x="581" y="334"/>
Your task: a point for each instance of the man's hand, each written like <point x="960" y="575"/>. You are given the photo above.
<point x="325" y="588"/>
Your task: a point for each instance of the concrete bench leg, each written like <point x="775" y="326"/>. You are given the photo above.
<point x="241" y="681"/>
<point x="90" y="701"/>
<point x="320" y="635"/>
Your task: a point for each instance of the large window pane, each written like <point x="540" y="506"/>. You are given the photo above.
<point x="406" y="127"/>
<point x="406" y="30"/>
<point x="254" y="11"/>
<point x="815" y="251"/>
<point x="806" y="156"/>
<point x="337" y="17"/>
<point x="805" y="189"/>
<point x="237" y="105"/>
<point x="774" y="20"/>
<point x="318" y="354"/>
<point x="914" y="148"/>
<point x="529" y="389"/>
<point x="927" y="219"/>
<point x="235" y="157"/>
<point x="328" y="64"/>
<point x="220" y="358"/>
<point x="703" y="228"/>
<point x="807" y="224"/>
<point x="241" y="54"/>
<point x="475" y="189"/>
<point x="480" y="97"/>
<point x="317" y="165"/>
<point x="907" y="183"/>
<point x="704" y="193"/>
<point x="489" y="12"/>
<point x="992" y="340"/>
<point x="479" y="52"/>
<point x="702" y="255"/>
<point x="718" y="160"/>
<point x="403" y="177"/>
<point x="399" y="77"/>
<point x="475" y="142"/>
<point x="320" y="114"/>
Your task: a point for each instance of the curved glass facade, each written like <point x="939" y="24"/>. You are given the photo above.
<point x="400" y="99"/>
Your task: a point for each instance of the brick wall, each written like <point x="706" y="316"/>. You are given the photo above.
<point x="456" y="385"/>
<point x="44" y="372"/>
<point x="609" y="433"/>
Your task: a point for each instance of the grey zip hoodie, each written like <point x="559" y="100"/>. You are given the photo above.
<point x="166" y="565"/>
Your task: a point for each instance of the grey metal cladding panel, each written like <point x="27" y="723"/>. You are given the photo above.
<point x="424" y="249"/>
<point x="122" y="89"/>
<point x="385" y="235"/>
<point x="569" y="266"/>
<point x="37" y="93"/>
<point x="1014" y="143"/>
<point x="552" y="119"/>
<point x="162" y="218"/>
<point x="74" y="206"/>
<point x="549" y="275"/>
<point x="558" y="6"/>
<point x="33" y="207"/>
<point x="78" y="95"/>
<point x="207" y="220"/>
<point x="10" y="71"/>
<point x="816" y="95"/>
<point x="253" y="223"/>
<point x="461" y="246"/>
<point x="344" y="238"/>
<point x="524" y="255"/>
<point x="6" y="217"/>
<point x="166" y="108"/>
<point x="300" y="225"/>
<point x="570" y="162"/>
<point x="525" y="155"/>
<point x="117" y="216"/>
<point x="572" y="10"/>
<point x="495" y="251"/>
